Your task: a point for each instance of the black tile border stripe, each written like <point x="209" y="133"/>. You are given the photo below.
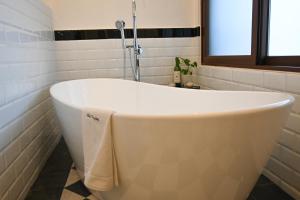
<point x="61" y="35"/>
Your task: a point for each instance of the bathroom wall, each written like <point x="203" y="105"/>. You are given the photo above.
<point x="95" y="14"/>
<point x="28" y="130"/>
<point x="284" y="165"/>
<point x="103" y="57"/>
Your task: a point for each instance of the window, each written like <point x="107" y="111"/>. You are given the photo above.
<point x="251" y="33"/>
<point x="230" y="30"/>
<point x="283" y="14"/>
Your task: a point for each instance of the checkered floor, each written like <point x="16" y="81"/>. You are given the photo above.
<point x="60" y="181"/>
<point x="74" y="189"/>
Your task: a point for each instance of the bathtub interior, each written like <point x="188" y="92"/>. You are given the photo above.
<point x="128" y="97"/>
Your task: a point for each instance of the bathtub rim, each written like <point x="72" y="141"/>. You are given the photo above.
<point x="277" y="105"/>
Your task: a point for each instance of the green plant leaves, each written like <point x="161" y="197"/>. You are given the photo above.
<point x="177" y="64"/>
<point x="184" y="71"/>
<point x="188" y="65"/>
<point x="186" y="62"/>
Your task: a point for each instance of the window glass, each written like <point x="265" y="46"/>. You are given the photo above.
<point x="284" y="28"/>
<point x="230" y="27"/>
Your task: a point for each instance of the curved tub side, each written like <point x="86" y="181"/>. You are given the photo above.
<point x="209" y="157"/>
<point x="206" y="158"/>
<point x="70" y="121"/>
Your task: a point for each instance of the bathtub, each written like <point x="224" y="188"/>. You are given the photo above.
<point x="177" y="144"/>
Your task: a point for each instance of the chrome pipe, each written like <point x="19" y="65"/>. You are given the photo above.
<point x="136" y="47"/>
<point x="137" y="50"/>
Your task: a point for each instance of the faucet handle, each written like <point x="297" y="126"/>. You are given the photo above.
<point x="139" y="50"/>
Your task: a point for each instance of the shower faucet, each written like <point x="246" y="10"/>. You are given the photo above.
<point x="137" y="49"/>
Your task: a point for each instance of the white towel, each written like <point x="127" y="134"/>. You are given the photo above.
<point x="99" y="156"/>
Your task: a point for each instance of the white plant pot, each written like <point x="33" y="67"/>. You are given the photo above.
<point x="186" y="78"/>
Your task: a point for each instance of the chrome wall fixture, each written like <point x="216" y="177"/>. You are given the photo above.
<point x="135" y="47"/>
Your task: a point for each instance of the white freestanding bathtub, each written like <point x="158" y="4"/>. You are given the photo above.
<point x="177" y="144"/>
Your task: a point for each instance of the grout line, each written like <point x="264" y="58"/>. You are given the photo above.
<point x="284" y="165"/>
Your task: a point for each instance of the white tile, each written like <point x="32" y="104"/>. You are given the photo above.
<point x="27" y="68"/>
<point x="275" y="179"/>
<point x="288" y="157"/>
<point x="25" y="138"/>
<point x="146" y="62"/>
<point x="88" y="44"/>
<point x="12" y="35"/>
<point x="296" y="106"/>
<point x="11" y="152"/>
<point x="252" y="77"/>
<point x="12" y="91"/>
<point x="6" y="179"/>
<point x="25" y="191"/>
<point x="205" y="81"/>
<point x="262" y="89"/>
<point x="222" y="73"/>
<point x="297" y="143"/>
<point x="16" y="188"/>
<point x="75" y="58"/>
<point x="170" y="52"/>
<point x="10" y="112"/>
<point x="2" y="95"/>
<point x="241" y="87"/>
<point x="6" y="196"/>
<point x="283" y="185"/>
<point x="290" y="190"/>
<point x="204" y="70"/>
<point x="284" y="172"/>
<point x="162" y="80"/>
<point x="2" y="163"/>
<point x="169" y="42"/>
<point x="89" y="55"/>
<point x="2" y="34"/>
<point x="79" y="75"/>
<point x="205" y="88"/>
<point x="275" y="80"/>
<point x="5" y="138"/>
<point x="219" y="84"/>
<point x="73" y="177"/>
<point x="20" y="163"/>
<point x="293" y="83"/>
<point x="293" y="123"/>
<point x="5" y="73"/>
<point x="289" y="139"/>
<point x="66" y="194"/>
<point x="157" y="71"/>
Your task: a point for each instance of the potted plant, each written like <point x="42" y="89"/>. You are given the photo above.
<point x="186" y="69"/>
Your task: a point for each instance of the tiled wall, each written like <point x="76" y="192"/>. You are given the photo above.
<point x="103" y="58"/>
<point x="284" y="165"/>
<point x="28" y="130"/>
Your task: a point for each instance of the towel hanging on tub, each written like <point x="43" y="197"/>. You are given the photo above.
<point x="100" y="165"/>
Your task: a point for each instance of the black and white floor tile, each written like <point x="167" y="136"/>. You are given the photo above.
<point x="75" y="189"/>
<point x="60" y="181"/>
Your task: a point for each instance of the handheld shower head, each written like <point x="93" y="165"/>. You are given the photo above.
<point x="120" y="24"/>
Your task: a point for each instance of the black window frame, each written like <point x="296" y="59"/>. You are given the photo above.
<point x="259" y="58"/>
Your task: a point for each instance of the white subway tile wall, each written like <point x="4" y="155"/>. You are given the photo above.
<point x="103" y="58"/>
<point x="30" y="62"/>
<point x="28" y="127"/>
<point x="284" y="165"/>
